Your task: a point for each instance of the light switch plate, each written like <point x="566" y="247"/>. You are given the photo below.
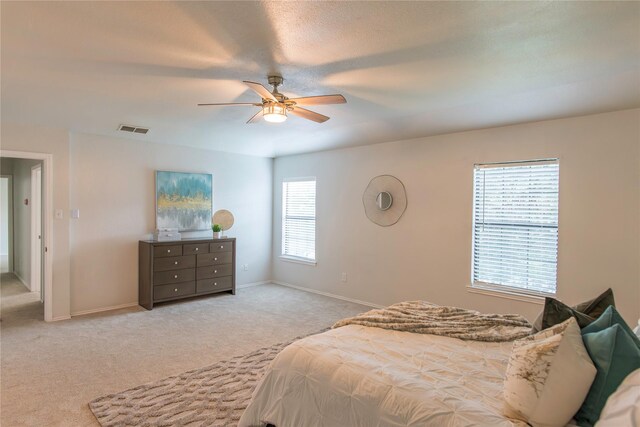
<point x="75" y="213"/>
<point x="59" y="214"/>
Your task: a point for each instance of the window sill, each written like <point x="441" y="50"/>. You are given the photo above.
<point x="297" y="260"/>
<point x="507" y="293"/>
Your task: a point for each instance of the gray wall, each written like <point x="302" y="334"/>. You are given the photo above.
<point x="427" y="255"/>
<point x="113" y="185"/>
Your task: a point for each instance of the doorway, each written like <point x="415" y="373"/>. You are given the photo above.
<point x="29" y="280"/>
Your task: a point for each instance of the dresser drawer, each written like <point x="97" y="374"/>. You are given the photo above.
<point x="174" y="290"/>
<point x="215" y="258"/>
<point x="164" y="251"/>
<point x="221" y="247"/>
<point x="214" y="271"/>
<point x="174" y="276"/>
<point x="199" y="248"/>
<point x="174" y="263"/>
<point x="216" y="284"/>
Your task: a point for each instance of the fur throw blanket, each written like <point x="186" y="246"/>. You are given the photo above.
<point x="424" y="318"/>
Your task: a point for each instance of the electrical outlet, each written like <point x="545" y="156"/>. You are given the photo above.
<point x="245" y="267"/>
<point x="343" y="277"/>
<point x="59" y="214"/>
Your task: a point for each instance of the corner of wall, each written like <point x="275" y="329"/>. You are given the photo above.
<point x="272" y="252"/>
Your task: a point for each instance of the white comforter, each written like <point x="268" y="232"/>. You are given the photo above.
<point x="361" y="376"/>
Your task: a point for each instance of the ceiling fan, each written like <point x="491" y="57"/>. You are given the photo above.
<point x="275" y="106"/>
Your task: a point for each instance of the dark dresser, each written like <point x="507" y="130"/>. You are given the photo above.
<point x="185" y="268"/>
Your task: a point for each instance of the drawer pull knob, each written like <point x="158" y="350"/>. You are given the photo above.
<point x="175" y="277"/>
<point x="215" y="259"/>
<point x="168" y="251"/>
<point x="215" y="271"/>
<point x="197" y="249"/>
<point x="175" y="290"/>
<point x="221" y="246"/>
<point x="215" y="284"/>
<point x="176" y="263"/>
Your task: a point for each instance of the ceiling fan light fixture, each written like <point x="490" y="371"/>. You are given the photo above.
<point x="274" y="113"/>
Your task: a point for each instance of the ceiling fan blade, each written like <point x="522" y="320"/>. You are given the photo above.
<point x="255" y="118"/>
<point x="320" y="100"/>
<point x="231" y="103"/>
<point x="260" y="90"/>
<point x="308" y="114"/>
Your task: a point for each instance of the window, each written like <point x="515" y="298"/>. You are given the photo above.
<point x="299" y="219"/>
<point x="515" y="227"/>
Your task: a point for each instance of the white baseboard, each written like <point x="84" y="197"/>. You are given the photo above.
<point x="99" y="310"/>
<point x="327" y="294"/>
<point x="248" y="285"/>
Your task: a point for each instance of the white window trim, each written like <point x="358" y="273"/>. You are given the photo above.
<point x="489" y="165"/>
<point x="504" y="291"/>
<point x="300" y="178"/>
<point x="507" y="293"/>
<point x="291" y="258"/>
<point x="298" y="260"/>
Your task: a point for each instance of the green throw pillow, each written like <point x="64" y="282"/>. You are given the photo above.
<point x="556" y="312"/>
<point x="615" y="355"/>
<point x="596" y="306"/>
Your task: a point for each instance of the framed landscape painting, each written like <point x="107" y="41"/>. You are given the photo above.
<point x="183" y="200"/>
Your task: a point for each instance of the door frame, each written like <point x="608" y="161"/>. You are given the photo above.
<point x="47" y="213"/>
<point x="36" y="240"/>
<point x="10" y="219"/>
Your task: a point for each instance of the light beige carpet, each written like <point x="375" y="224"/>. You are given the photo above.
<point x="50" y="371"/>
<point x="213" y="396"/>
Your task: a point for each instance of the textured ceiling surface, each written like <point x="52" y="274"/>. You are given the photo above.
<point x="407" y="69"/>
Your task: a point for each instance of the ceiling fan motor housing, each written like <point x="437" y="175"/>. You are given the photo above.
<point x="276" y="81"/>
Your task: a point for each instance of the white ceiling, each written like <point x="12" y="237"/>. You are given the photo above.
<point x="407" y="69"/>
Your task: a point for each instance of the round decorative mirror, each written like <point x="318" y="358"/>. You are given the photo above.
<point x="384" y="200"/>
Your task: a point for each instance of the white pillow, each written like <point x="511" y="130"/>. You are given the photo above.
<point x="623" y="406"/>
<point x="548" y="376"/>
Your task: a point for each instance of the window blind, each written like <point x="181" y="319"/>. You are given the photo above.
<point x="299" y="218"/>
<point x="515" y="225"/>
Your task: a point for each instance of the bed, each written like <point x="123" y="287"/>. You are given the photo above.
<point x="371" y="377"/>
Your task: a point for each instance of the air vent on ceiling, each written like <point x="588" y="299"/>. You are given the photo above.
<point x="134" y="129"/>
